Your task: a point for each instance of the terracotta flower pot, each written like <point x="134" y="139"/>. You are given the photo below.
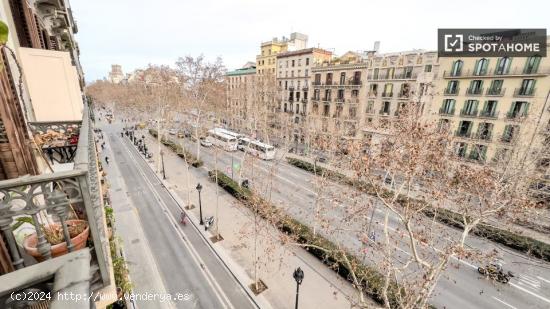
<point x="78" y="242"/>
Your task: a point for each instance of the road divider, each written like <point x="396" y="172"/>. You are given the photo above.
<point x="525" y="244"/>
<point x="178" y="149"/>
<point x="335" y="257"/>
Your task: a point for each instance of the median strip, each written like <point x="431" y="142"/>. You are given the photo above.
<point x="339" y="260"/>
<point x="178" y="149"/>
<point x="527" y="245"/>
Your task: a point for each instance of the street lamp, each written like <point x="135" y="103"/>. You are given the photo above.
<point x="299" y="277"/>
<point x="162" y="160"/>
<point x="199" y="188"/>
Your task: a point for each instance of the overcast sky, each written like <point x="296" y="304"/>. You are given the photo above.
<point x="133" y="33"/>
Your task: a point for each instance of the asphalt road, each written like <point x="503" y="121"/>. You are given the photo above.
<point x="460" y="287"/>
<point x="185" y="261"/>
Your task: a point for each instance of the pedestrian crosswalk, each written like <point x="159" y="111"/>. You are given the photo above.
<point x="528" y="281"/>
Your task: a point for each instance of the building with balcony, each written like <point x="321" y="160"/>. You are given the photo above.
<point x="241" y="87"/>
<point x="293" y="82"/>
<point x="267" y="59"/>
<point x="53" y="233"/>
<point x="496" y="105"/>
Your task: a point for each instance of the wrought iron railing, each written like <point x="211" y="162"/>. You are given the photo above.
<point x="54" y="200"/>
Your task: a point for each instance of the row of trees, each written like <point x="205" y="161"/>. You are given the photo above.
<point x="415" y="154"/>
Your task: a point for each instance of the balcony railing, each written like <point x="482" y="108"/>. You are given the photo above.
<point x="497" y="92"/>
<point x="515" y="115"/>
<point x="468" y="113"/>
<point x="387" y="94"/>
<point x="474" y="91"/>
<point x="303" y="100"/>
<point x="446" y="111"/>
<point x="484" y="136"/>
<point x="517" y="71"/>
<point x="54" y="200"/>
<point x="384" y="112"/>
<point x="488" y="114"/>
<point x="373" y="94"/>
<point x="524" y="92"/>
<point x="463" y="133"/>
<point x="403" y="95"/>
<point x="452" y="91"/>
<point x="340" y="100"/>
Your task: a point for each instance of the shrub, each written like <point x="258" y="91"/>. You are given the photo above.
<point x="520" y="243"/>
<point x="178" y="149"/>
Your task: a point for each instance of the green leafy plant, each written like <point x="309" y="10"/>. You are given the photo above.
<point x="4" y="31"/>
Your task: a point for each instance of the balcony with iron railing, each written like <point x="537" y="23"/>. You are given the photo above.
<point x="388" y="94"/>
<point x="373" y="94"/>
<point x="340" y="100"/>
<point x="490" y="114"/>
<point x="447" y="111"/>
<point x="496" y="92"/>
<point x="525" y="92"/>
<point x="67" y="247"/>
<point x="485" y="136"/>
<point x="474" y="91"/>
<point x="463" y="133"/>
<point x="517" y="71"/>
<point x="451" y="91"/>
<point x="403" y="95"/>
<point x="468" y="112"/>
<point x="384" y="112"/>
<point x="516" y="115"/>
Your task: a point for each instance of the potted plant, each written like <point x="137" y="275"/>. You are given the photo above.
<point x="78" y="231"/>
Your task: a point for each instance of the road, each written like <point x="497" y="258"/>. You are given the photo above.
<point x="460" y="286"/>
<point x="186" y="263"/>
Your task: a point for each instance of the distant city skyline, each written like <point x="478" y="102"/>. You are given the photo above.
<point x="234" y="30"/>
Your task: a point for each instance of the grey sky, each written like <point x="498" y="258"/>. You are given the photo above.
<point x="134" y="33"/>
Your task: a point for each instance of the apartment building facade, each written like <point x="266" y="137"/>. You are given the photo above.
<point x="266" y="61"/>
<point x="293" y="82"/>
<point x="115" y="75"/>
<point x="241" y="87"/>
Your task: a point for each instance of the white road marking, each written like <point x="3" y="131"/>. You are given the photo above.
<point x="543" y="279"/>
<point x="523" y="282"/>
<point x="504" y="303"/>
<point x="529" y="292"/>
<point x="194" y="254"/>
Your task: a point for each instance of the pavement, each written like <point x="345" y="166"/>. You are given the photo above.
<point x="460" y="286"/>
<point x="322" y="288"/>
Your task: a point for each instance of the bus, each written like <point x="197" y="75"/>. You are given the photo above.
<point x="224" y="141"/>
<point x="257" y="148"/>
<point x="231" y="133"/>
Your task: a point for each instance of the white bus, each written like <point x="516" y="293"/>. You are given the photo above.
<point x="231" y="133"/>
<point x="256" y="148"/>
<point x="227" y="142"/>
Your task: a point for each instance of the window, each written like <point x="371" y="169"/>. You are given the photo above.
<point x="527" y="87"/>
<point x="448" y="107"/>
<point x="457" y="68"/>
<point x="327" y="95"/>
<point x="389" y="73"/>
<point x="306" y="72"/>
<point x="503" y="66"/>
<point x="352" y="112"/>
<point x="428" y="68"/>
<point x="316" y="94"/>
<point x="342" y="78"/>
<point x="452" y="87"/>
<point x="470" y="108"/>
<point x="317" y="79"/>
<point x="386" y="107"/>
<point x="496" y="87"/>
<point x="354" y="93"/>
<point x="481" y="66"/>
<point x="300" y="62"/>
<point x="329" y="79"/>
<point x="532" y="65"/>
<point x="388" y="90"/>
<point x="340" y="94"/>
<point x="373" y="91"/>
<point x="286" y="64"/>
<point x="307" y="61"/>
<point x="370" y="107"/>
<point x="478" y="152"/>
<point x="518" y="109"/>
<point x="510" y="132"/>
<point x="476" y="87"/>
<point x="460" y="149"/>
<point x="357" y="78"/>
<point x="489" y="109"/>
<point x="484" y="131"/>
<point x="326" y="110"/>
<point x="375" y="74"/>
<point x="293" y="63"/>
<point x="286" y="84"/>
<point x="408" y="72"/>
<point x="464" y="128"/>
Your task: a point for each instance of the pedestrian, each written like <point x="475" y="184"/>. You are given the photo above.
<point x="107" y="160"/>
<point x="103" y="146"/>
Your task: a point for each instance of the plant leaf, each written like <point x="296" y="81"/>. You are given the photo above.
<point x="3" y="33"/>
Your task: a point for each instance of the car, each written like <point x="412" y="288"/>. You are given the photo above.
<point x="206" y="143"/>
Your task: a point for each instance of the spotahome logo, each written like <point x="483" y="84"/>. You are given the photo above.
<point x="491" y="42"/>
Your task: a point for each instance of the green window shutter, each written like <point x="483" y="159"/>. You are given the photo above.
<point x="485" y="105"/>
<point x="476" y="67"/>
<point x="485" y="66"/>
<point x="525" y="109"/>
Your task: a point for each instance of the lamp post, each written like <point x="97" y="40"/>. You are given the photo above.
<point x="298" y="276"/>
<point x="199" y="188"/>
<point x="163" y="170"/>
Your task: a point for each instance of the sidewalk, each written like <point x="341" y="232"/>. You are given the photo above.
<point x="518" y="229"/>
<point x="322" y="288"/>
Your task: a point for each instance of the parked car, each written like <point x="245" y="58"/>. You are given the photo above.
<point x="206" y="143"/>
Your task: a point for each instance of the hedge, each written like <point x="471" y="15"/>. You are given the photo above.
<point x="178" y="149"/>
<point x="372" y="280"/>
<point x="517" y="242"/>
